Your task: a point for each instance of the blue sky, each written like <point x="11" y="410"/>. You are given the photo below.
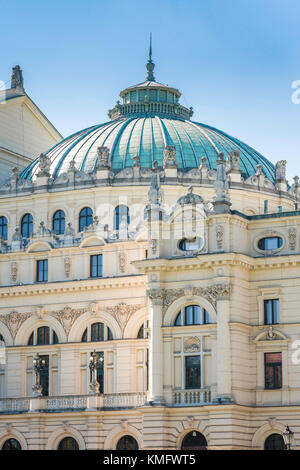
<point x="233" y="60"/>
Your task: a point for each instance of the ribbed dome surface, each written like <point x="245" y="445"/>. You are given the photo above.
<point x="147" y="136"/>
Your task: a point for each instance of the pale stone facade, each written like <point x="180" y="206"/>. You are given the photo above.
<point x="151" y="271"/>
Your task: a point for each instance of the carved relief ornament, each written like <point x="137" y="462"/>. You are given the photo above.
<point x="212" y="294"/>
<point x="67" y="316"/>
<point x="192" y="344"/>
<point x="14" y="320"/>
<point x="122" y="312"/>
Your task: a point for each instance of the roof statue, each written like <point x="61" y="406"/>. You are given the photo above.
<point x="221" y="202"/>
<point x="154" y="193"/>
<point x="17" y="80"/>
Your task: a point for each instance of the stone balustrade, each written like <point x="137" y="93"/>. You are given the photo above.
<point x="124" y="400"/>
<point x="191" y="397"/>
<point x="72" y="403"/>
<point x="67" y="403"/>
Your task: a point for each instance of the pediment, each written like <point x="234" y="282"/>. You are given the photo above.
<point x="38" y="247"/>
<point x="92" y="241"/>
<point x="270" y="334"/>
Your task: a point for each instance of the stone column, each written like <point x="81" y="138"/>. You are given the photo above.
<point x="156" y="360"/>
<point x="223" y="345"/>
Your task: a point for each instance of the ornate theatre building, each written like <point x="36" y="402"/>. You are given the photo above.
<point x="150" y="288"/>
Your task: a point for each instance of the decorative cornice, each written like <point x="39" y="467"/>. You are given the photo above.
<point x="74" y="286"/>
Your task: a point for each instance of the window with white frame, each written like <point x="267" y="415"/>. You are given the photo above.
<point x="191" y="359"/>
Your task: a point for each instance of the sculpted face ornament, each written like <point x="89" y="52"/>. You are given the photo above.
<point x="280" y="170"/>
<point x="44" y="165"/>
<point x="170" y="157"/>
<point x="103" y="160"/>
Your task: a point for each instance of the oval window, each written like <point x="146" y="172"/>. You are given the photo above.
<point x="190" y="244"/>
<point x="270" y="243"/>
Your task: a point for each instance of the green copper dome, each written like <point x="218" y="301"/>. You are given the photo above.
<point x="147" y="136"/>
<point x="149" y="119"/>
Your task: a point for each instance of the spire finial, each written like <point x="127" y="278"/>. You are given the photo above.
<point x="150" y="65"/>
<point x="150" y="48"/>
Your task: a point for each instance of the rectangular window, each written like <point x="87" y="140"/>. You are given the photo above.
<point x="192" y="372"/>
<point x="44" y="374"/>
<point x="96" y="266"/>
<point x="43" y="335"/>
<point x="42" y="270"/>
<point x="273" y="371"/>
<point x="97" y="332"/>
<point x="271" y="310"/>
<point x="265" y="207"/>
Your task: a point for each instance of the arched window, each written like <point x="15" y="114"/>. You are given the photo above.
<point x="141" y="332"/>
<point x="59" y="222"/>
<point x="97" y="332"/>
<point x="11" y="444"/>
<point x="127" y="443"/>
<point x="274" y="442"/>
<point x="68" y="443"/>
<point x="192" y="315"/>
<point x="43" y="335"/>
<point x="2" y="342"/>
<point x="30" y="341"/>
<point x="27" y="225"/>
<point x="120" y="212"/>
<point x="85" y="218"/>
<point x="194" y="441"/>
<point x="3" y="227"/>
